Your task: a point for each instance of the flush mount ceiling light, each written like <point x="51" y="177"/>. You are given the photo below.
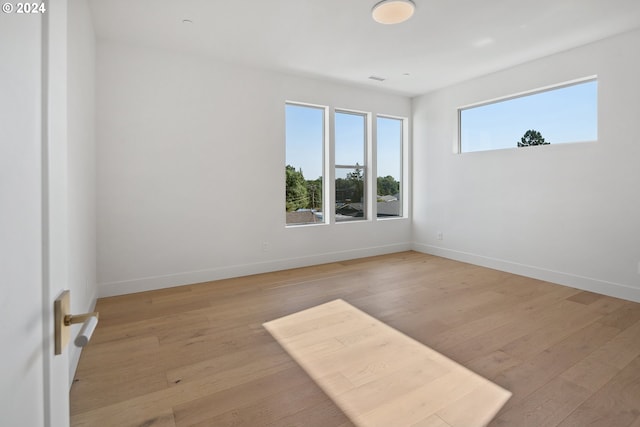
<point x="393" y="11"/>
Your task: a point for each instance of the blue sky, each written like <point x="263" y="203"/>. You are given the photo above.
<point x="304" y="135"/>
<point x="568" y="114"/>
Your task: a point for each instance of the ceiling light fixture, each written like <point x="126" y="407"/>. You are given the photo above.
<point x="393" y="11"/>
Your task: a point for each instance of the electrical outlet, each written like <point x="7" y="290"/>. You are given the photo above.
<point x="638" y="267"/>
<point x="265" y="246"/>
<point x="439" y="235"/>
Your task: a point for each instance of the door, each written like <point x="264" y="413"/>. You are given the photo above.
<point x="34" y="390"/>
<point x="21" y="232"/>
<point x="55" y="205"/>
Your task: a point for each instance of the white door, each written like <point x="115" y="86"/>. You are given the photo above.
<point x="56" y="259"/>
<point x="34" y="390"/>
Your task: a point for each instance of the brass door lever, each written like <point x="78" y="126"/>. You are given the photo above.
<point x="63" y="320"/>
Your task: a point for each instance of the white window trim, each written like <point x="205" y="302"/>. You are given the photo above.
<point x="530" y="92"/>
<point x="370" y="166"/>
<point x="367" y="156"/>
<point x="404" y="156"/>
<point x="325" y="150"/>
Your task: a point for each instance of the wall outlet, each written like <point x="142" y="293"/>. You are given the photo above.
<point x="265" y="246"/>
<point x="439" y="235"/>
<point x="638" y="267"/>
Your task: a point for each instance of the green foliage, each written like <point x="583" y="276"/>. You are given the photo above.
<point x="388" y="186"/>
<point x="532" y="137"/>
<point x="350" y="188"/>
<point x="356" y="175"/>
<point x="297" y="194"/>
<point x="314" y="188"/>
<point x="307" y="194"/>
<point x="300" y="193"/>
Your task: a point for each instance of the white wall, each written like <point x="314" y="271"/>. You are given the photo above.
<point x="191" y="162"/>
<point x="567" y="213"/>
<point x="81" y="164"/>
<point x="21" y="302"/>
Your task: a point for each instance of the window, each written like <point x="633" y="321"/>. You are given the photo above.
<point x="389" y="182"/>
<point x="565" y="113"/>
<point x="350" y="167"/>
<point x="305" y="136"/>
<point x="309" y="146"/>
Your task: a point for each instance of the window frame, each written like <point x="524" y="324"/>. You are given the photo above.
<point x="524" y="94"/>
<point x="324" y="168"/>
<point x="369" y="167"/>
<point x="365" y="167"/>
<point x="403" y="165"/>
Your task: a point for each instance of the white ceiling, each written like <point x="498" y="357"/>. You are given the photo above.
<point x="446" y="41"/>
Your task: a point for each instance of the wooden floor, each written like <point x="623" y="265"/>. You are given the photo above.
<point x="380" y="377"/>
<point x="197" y="355"/>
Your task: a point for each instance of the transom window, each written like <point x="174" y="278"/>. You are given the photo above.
<point x="562" y="114"/>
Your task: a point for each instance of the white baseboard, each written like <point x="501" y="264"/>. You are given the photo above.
<point x="616" y="290"/>
<point x="184" y="278"/>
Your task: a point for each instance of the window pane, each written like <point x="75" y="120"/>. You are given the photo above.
<point x="566" y="114"/>
<point x="304" y="158"/>
<point x="350" y="194"/>
<point x="351" y="186"/>
<point x="350" y="138"/>
<point x="389" y="143"/>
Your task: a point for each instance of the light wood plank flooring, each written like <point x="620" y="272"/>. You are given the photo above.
<point x="197" y="355"/>
<point x="380" y="377"/>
